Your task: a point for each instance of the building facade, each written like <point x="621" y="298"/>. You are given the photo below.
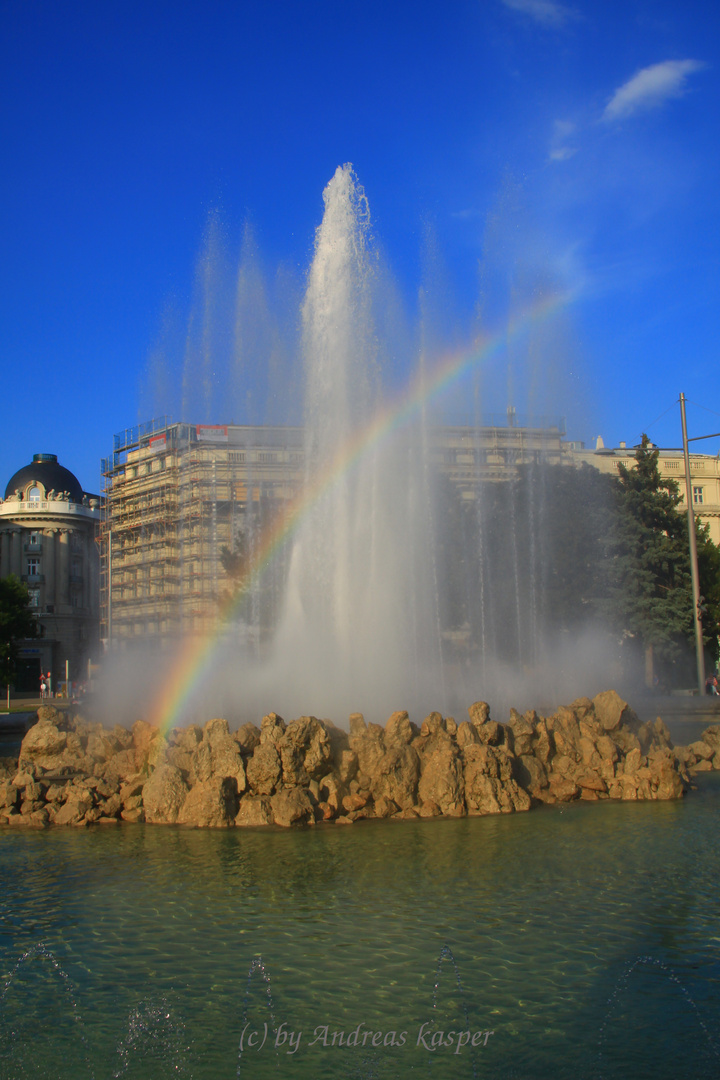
<point x="179" y="497"/>
<point x="704" y="476"/>
<point x="48" y="539"/>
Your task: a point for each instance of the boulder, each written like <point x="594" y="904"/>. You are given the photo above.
<point x="272" y="728"/>
<point x="254" y="810"/>
<point x="396" y="777"/>
<point x="75" y="808"/>
<point x="292" y="807"/>
<point x="368" y="745"/>
<point x="217" y="756"/>
<point x="479" y="712"/>
<point x="247" y="737"/>
<point x="441" y="779"/>
<point x="611" y="711"/>
<point x="119" y="768"/>
<point x="489" y="784"/>
<point x="264" y="769"/>
<point x="398" y="730"/>
<point x="305" y="751"/>
<point x="164" y="794"/>
<point x="212" y="803"/>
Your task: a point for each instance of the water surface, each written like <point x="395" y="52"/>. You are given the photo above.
<point x="585" y="938"/>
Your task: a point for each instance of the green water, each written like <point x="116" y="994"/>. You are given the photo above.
<point x="586" y="938"/>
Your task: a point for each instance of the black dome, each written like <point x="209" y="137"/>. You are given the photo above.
<point x="44" y="469"/>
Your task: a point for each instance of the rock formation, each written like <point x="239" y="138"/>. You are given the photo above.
<point x="71" y="772"/>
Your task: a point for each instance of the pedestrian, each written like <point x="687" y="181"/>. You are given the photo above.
<point x="43" y="689"/>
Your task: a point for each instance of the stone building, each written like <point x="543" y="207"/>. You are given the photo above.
<point x="48" y="538"/>
<point x="704" y="476"/>
<point x="177" y="494"/>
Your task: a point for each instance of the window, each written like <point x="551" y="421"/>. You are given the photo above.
<point x="34" y="595"/>
<point x="33" y="567"/>
<point x="35" y="538"/>
<point x="34" y="494"/>
<point x="697" y="496"/>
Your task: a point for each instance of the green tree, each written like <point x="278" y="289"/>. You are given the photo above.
<point x="651" y="593"/>
<point x="16" y="623"/>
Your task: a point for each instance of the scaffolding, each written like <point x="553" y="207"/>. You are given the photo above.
<point x="175" y="495"/>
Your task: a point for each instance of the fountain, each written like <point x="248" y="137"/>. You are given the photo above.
<point x="360" y="626"/>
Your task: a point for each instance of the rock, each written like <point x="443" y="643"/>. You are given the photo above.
<point x="611" y="711"/>
<point x="272" y="728"/>
<point x="591" y="781"/>
<point x="466" y="735"/>
<point x="143" y="735"/>
<point x="563" y="788"/>
<point x="74" y="809"/>
<point x="119" y="767"/>
<point x="396" y="777"/>
<point x="247" y="737"/>
<point x="354" y="802"/>
<point x="531" y="775"/>
<point x="44" y="740"/>
<point x="292" y="807"/>
<point x="331" y="792"/>
<point x="489" y="786"/>
<point x="263" y="769"/>
<point x="347" y="767"/>
<point x="711" y="736"/>
<point x="217" y="756"/>
<point x="357" y="725"/>
<point x="305" y="751"/>
<point x="164" y="794"/>
<point x="398" y="730"/>
<point x="441" y="780"/>
<point x="212" y="803"/>
<point x="432" y="725"/>
<point x="368" y="746"/>
<point x="9" y="795"/>
<point x="385" y="808"/>
<point x="254" y="810"/>
<point x="701" y="750"/>
<point x="479" y="712"/>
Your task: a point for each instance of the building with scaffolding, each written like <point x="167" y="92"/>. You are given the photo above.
<point x="185" y="504"/>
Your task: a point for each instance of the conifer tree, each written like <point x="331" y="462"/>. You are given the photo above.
<point x="651" y="593"/>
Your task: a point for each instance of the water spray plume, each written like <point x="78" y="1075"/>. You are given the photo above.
<point x="360" y="611"/>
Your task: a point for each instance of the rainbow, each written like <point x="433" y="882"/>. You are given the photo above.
<point x="195" y="655"/>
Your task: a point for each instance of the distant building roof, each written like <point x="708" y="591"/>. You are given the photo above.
<point x="44" y="469"/>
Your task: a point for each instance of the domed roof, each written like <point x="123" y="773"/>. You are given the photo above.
<point x="44" y="469"/>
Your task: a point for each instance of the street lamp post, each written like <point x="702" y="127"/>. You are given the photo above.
<point x="697" y="600"/>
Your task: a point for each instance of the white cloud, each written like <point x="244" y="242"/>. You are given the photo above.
<point x="562" y="153"/>
<point x="547" y="12"/>
<point x="650" y="87"/>
<point x="562" y="130"/>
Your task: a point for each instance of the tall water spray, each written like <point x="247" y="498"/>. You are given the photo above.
<point x="359" y="630"/>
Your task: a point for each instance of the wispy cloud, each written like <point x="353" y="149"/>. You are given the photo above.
<point x="650" y="88"/>
<point x="559" y="149"/>
<point x="562" y="153"/>
<point x="547" y="12"/>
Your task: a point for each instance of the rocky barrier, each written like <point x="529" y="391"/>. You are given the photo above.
<point x="71" y="772"/>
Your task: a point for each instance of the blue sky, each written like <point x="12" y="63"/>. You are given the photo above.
<point x="507" y="147"/>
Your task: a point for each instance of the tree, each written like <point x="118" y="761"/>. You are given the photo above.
<point x="651" y="592"/>
<point x="16" y="623"/>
